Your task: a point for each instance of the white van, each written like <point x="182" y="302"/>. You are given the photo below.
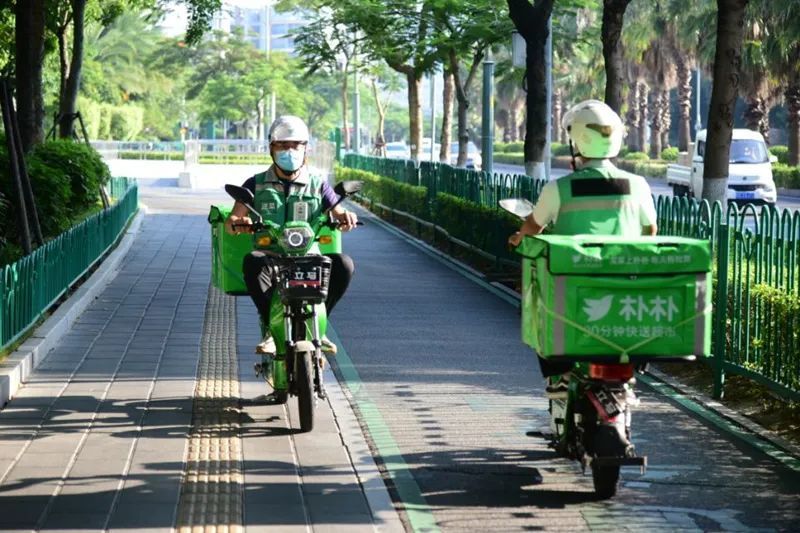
<point x="749" y="170"/>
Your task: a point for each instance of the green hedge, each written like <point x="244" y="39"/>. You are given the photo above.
<point x="412" y="199"/>
<point x="785" y="176"/>
<point x="484" y="227"/>
<point x="559" y="149"/>
<point x="636" y="156"/>
<point x="670" y="154"/>
<point x="65" y="177"/>
<point x="651" y="169"/>
<point x="510" y="158"/>
<point x="781" y="152"/>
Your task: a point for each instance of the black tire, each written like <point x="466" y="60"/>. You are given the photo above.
<point x="304" y="375"/>
<point x="607" y="443"/>
<point x="281" y="396"/>
<point x="606" y="480"/>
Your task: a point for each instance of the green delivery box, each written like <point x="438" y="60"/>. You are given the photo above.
<point x="228" y="251"/>
<point x="616" y="298"/>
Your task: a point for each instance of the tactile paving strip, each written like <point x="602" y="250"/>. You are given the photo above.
<point x="212" y="490"/>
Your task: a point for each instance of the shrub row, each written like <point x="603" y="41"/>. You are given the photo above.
<point x="481" y="226"/>
<point x="412" y="199"/>
<point x="65" y="177"/>
<point x="786" y="177"/>
<point x="781" y="152"/>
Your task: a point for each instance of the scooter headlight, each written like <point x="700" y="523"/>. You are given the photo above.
<point x="296" y="238"/>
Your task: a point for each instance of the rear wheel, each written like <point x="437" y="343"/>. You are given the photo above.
<point x="607" y="443"/>
<point x="304" y="375"/>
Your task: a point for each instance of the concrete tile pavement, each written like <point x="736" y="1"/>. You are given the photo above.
<point x="99" y="431"/>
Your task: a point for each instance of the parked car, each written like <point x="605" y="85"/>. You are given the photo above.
<point x="473" y="155"/>
<point x="749" y="170"/>
<point x="398" y="150"/>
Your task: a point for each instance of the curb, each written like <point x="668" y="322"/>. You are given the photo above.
<point x="14" y="371"/>
<point x="385" y="517"/>
<point x="513" y="297"/>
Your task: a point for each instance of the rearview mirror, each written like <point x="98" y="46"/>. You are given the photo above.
<point x="348" y="188"/>
<point x="240" y="194"/>
<point x="517" y="206"/>
<point x="773" y="158"/>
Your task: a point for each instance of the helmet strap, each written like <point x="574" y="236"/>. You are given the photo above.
<point x="572" y="155"/>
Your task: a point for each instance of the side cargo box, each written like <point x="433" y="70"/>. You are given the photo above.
<point x="621" y="299"/>
<point x="227" y="253"/>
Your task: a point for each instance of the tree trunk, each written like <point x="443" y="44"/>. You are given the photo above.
<point x="633" y="118"/>
<point x="655" y="124"/>
<point x="447" y="116"/>
<point x="792" y="95"/>
<point x="666" y="120"/>
<point x="380" y="140"/>
<point x="611" y="31"/>
<point x="67" y="106"/>
<point x="531" y="22"/>
<point x="345" y="125"/>
<point x="462" y="90"/>
<point x="29" y="37"/>
<point x="684" y="102"/>
<point x="414" y="114"/>
<point x="755" y="115"/>
<point x="727" y="61"/>
<point x="644" y="91"/>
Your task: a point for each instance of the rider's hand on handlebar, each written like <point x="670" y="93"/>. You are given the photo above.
<point x="515" y="239"/>
<point x="347" y="220"/>
<point x="242" y="225"/>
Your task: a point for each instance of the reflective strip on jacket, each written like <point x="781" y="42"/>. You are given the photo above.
<point x="599" y="201"/>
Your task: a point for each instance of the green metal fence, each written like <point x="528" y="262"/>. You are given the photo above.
<point x="757" y="276"/>
<point x="30" y="286"/>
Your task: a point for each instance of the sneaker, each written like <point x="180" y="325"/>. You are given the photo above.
<point x="267" y="345"/>
<point x="327" y="346"/>
<point x="557" y="387"/>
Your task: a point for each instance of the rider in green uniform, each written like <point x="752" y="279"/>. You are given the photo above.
<point x="597" y="198"/>
<point x="287" y="191"/>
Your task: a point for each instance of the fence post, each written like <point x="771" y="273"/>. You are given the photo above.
<point x="720" y="318"/>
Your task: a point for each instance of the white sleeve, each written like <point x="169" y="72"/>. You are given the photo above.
<point x="546" y="209"/>
<point x="647" y="210"/>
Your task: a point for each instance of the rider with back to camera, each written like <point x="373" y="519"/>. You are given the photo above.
<point x="286" y="191"/>
<point x="596" y="199"/>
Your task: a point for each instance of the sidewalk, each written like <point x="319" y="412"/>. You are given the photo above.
<point x="140" y="419"/>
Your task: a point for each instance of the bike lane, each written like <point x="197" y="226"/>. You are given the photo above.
<point x="436" y="369"/>
<point x="146" y="416"/>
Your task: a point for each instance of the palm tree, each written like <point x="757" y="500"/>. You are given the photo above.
<point x="782" y="45"/>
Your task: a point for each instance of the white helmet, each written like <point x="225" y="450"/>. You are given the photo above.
<point x="288" y="128"/>
<point x="595" y="129"/>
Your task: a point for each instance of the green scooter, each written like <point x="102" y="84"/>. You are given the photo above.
<point x="607" y="305"/>
<point x="298" y="318"/>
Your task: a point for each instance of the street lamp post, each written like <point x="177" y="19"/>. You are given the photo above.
<point x="487" y="126"/>
<point x="356" y="113"/>
<point x="433" y="111"/>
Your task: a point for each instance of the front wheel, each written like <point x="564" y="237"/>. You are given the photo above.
<point x="304" y="374"/>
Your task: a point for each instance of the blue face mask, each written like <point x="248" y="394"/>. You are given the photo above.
<point x="290" y="160"/>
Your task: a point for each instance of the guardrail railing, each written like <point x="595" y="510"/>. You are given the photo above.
<point x="756" y="273"/>
<point x="31" y="285"/>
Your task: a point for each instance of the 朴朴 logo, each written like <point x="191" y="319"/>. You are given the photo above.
<point x="597" y="309"/>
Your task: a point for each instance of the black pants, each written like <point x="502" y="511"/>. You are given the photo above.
<point x="259" y="277"/>
<point x="554" y="368"/>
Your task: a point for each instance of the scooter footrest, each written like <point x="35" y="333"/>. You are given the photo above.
<point x="622" y="461"/>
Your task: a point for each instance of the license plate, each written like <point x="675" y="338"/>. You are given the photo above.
<point x="745" y="195"/>
<point x="305" y="277"/>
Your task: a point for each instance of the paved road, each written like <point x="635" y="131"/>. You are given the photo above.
<point x="451" y="390"/>
<point x="659" y="186"/>
<point x="141" y="420"/>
